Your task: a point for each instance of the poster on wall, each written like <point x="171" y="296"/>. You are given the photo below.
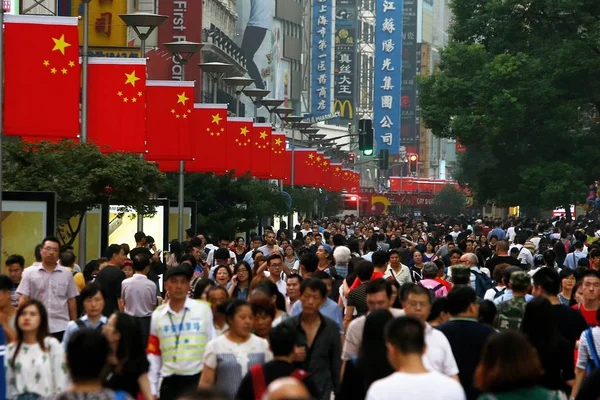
<point x="346" y="16"/>
<point x="260" y="36"/>
<point x="122" y="226"/>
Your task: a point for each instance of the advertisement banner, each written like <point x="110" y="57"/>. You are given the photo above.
<point x="409" y="135"/>
<point x="345" y="93"/>
<point x="322" y="21"/>
<point x="388" y="74"/>
<point x="184" y="22"/>
<point x="106" y="28"/>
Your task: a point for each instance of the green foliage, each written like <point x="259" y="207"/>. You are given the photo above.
<point x="82" y="177"/>
<point x="311" y="202"/>
<point x="519" y="87"/>
<point x="227" y="205"/>
<point x="449" y="200"/>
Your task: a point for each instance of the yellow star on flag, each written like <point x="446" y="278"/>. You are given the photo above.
<point x="71" y="64"/>
<point x="53" y="70"/>
<point x="125" y="100"/>
<point x="181" y="98"/>
<point x="131" y="78"/>
<point x="263" y="135"/>
<point x="216" y="119"/>
<point x="64" y="71"/>
<point x="134" y="99"/>
<point x="311" y="156"/>
<point x="318" y="158"/>
<point x="244" y="131"/>
<point x="324" y="163"/>
<point x="46" y="63"/>
<point x="337" y="169"/>
<point x="60" y="44"/>
<point x="278" y="142"/>
<point x="172" y="111"/>
<point x="119" y="94"/>
<point x="184" y="115"/>
<point x="139" y="94"/>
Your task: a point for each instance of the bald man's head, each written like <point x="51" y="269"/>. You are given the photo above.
<point x="287" y="389"/>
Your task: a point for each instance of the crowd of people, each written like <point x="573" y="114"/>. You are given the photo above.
<point x="376" y="307"/>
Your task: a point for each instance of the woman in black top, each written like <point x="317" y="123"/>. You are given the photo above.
<point x="129" y="366"/>
<point x="556" y="355"/>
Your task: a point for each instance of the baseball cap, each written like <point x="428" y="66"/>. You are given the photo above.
<point x="520" y="280"/>
<point x="327" y="248"/>
<point x="179" y="270"/>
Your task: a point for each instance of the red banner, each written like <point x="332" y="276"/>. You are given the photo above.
<point x="168" y="166"/>
<point x="288" y="167"/>
<point x="209" y="137"/>
<point x="169" y="107"/>
<point x="395" y="183"/>
<point x="41" y="76"/>
<point x="239" y="131"/>
<point x="117" y="104"/>
<point x="278" y="156"/>
<point x="306" y="170"/>
<point x="261" y="151"/>
<point x="336" y="177"/>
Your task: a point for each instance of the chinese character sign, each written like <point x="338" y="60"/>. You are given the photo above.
<point x="388" y="74"/>
<point x="410" y="58"/>
<point x="322" y="49"/>
<point x="345" y="92"/>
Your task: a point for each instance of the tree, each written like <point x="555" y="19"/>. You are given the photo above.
<point x="82" y="177"/>
<point x="308" y="201"/>
<point x="449" y="200"/>
<point x="518" y="86"/>
<point x="227" y="205"/>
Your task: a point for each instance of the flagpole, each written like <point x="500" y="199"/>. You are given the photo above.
<point x="84" y="117"/>
<point x="1" y="111"/>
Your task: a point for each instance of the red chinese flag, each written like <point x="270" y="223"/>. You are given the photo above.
<point x="305" y="167"/>
<point x="169" y="107"/>
<point x="395" y="183"/>
<point x="209" y="125"/>
<point x="261" y="151"/>
<point x="117" y="104"/>
<point x="326" y="174"/>
<point x="346" y="178"/>
<point x="336" y="177"/>
<point x="168" y="166"/>
<point x="354" y="182"/>
<point x="239" y="142"/>
<point x="278" y="156"/>
<point x="319" y="177"/>
<point x="41" y="76"/>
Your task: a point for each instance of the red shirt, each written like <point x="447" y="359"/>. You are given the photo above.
<point x="588" y="315"/>
<point x="376" y="275"/>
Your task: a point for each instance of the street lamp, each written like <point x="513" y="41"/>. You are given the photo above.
<point x="182" y="51"/>
<point x="216" y="71"/>
<point x="238" y="81"/>
<point x="271" y="105"/>
<point x="143" y="20"/>
<point x="256" y="95"/>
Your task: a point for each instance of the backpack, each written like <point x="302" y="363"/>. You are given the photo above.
<point x="431" y="291"/>
<point x="482" y="283"/>
<point x="510" y="314"/>
<point x="259" y="384"/>
<point x="594" y="361"/>
<point x="498" y="293"/>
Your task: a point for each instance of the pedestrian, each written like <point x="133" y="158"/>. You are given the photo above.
<point x="239" y="286"/>
<point x="264" y="314"/>
<point x="405" y="339"/>
<point x="15" y="264"/>
<point x="179" y="332"/>
<point x="35" y="362"/>
<point x="511" y="312"/>
<point x="53" y="286"/>
<point x="510" y="369"/>
<point x="216" y="296"/>
<point x="7" y="311"/>
<point x="92" y="299"/>
<point x="111" y="277"/>
<point x="590" y="286"/>
<point x="229" y="356"/>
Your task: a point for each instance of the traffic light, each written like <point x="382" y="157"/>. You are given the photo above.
<point x="351" y="158"/>
<point x="365" y="136"/>
<point x="413" y="159"/>
<point x="384" y="159"/>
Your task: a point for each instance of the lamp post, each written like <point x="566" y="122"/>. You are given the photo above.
<point x="256" y="95"/>
<point x="143" y="20"/>
<point x="271" y="105"/>
<point x="238" y="82"/>
<point x="216" y="71"/>
<point x="150" y="22"/>
<point x="182" y="52"/>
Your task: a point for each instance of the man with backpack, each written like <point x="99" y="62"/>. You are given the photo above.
<point x="588" y="359"/>
<point x="479" y="281"/>
<point x="434" y="288"/>
<point x="511" y="312"/>
<point x="282" y="341"/>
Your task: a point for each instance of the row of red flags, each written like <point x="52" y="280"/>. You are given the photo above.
<point x="128" y="113"/>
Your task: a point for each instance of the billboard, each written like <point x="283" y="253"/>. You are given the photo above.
<point x="10" y="6"/>
<point x="346" y="13"/>
<point x="388" y="75"/>
<point x="106" y="28"/>
<point x="260" y="36"/>
<point x="321" y="63"/>
<point x="411" y="52"/>
<point x="184" y="22"/>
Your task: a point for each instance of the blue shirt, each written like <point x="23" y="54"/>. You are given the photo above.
<point x="72" y="327"/>
<point x="498" y="232"/>
<point x="330" y="310"/>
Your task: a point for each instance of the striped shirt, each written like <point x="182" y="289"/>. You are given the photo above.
<point x="178" y="340"/>
<point x="585" y="354"/>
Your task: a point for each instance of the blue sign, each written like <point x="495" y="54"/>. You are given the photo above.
<point x="388" y="75"/>
<point x="322" y="50"/>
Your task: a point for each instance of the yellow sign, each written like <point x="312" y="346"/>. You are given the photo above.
<point x="106" y="28"/>
<point x="340" y="105"/>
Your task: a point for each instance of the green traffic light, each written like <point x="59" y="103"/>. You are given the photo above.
<point x="368" y="152"/>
